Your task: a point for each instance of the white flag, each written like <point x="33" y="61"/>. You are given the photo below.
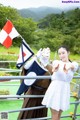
<point x="25" y="54"/>
<point x="7" y="34"/>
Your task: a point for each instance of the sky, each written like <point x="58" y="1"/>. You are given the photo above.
<point x="20" y="4"/>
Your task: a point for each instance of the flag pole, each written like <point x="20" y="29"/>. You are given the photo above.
<point x="55" y="55"/>
<point x="7" y="19"/>
<point x="21" y="37"/>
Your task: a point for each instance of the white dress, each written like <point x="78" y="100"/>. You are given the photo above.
<point x="57" y="95"/>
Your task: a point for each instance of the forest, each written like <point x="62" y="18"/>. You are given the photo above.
<point x="51" y="31"/>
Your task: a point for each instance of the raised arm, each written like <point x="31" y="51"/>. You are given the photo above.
<point x="73" y="66"/>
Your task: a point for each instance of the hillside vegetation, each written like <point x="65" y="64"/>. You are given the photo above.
<point x="51" y="31"/>
<point x="38" y="13"/>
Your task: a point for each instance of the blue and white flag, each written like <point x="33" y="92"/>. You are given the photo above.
<point x="34" y="70"/>
<point x="24" y="55"/>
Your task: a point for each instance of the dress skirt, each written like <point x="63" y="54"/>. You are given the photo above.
<point x="57" y="96"/>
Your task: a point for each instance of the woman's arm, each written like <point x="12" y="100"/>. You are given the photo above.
<point x="73" y="66"/>
<point x="55" y="66"/>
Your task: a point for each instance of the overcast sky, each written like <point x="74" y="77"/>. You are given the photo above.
<point x="19" y="4"/>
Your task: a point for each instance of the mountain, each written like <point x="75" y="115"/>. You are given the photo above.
<point x="26" y="13"/>
<point x="38" y="13"/>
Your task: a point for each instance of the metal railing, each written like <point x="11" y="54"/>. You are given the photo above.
<point x="26" y="77"/>
<point x="76" y="103"/>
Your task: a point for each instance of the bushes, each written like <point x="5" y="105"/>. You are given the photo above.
<point x="4" y="92"/>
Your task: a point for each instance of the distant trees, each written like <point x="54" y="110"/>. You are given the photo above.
<point x="24" y="26"/>
<point x="7" y="13"/>
<point x="63" y="28"/>
<point x="51" y="31"/>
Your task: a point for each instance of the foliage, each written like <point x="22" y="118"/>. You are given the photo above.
<point x="66" y="25"/>
<point x="4" y="92"/>
<point x="51" y="31"/>
<point x="24" y="26"/>
<point x="38" y="13"/>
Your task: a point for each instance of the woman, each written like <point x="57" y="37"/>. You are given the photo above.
<point x="57" y="96"/>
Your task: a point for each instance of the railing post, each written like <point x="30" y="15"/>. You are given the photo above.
<point x="76" y="105"/>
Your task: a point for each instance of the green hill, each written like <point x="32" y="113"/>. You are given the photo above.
<point x="38" y="13"/>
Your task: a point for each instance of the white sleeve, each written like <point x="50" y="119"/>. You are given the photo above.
<point x="76" y="65"/>
<point x="55" y="63"/>
<point x="29" y="63"/>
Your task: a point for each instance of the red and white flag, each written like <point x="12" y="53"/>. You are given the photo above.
<point x="25" y="54"/>
<point x="7" y="34"/>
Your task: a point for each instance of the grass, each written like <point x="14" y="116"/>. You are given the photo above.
<point x="12" y="89"/>
<point x="8" y="54"/>
<point x="15" y="50"/>
<point x="6" y="105"/>
<point x="11" y="105"/>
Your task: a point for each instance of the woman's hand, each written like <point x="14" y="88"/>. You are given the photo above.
<point x="64" y="69"/>
<point x="55" y="68"/>
<point x="67" y="67"/>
